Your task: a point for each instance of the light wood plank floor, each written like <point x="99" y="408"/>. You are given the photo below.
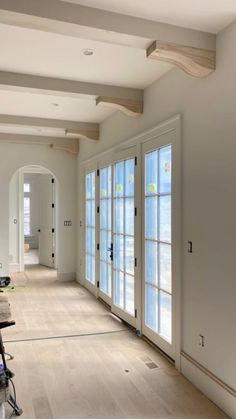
<point x="102" y="376"/>
<point x="31" y="257"/>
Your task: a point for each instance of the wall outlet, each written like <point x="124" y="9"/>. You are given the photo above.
<point x="201" y="341"/>
<point x="67" y="223"/>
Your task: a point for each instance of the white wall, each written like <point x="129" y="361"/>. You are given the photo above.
<point x="208" y="110"/>
<point x="63" y="166"/>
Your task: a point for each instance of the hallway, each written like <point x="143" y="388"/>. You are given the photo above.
<point x="75" y="360"/>
<point x="31" y="257"/>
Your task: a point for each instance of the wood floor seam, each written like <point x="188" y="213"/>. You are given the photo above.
<point x="66" y="336"/>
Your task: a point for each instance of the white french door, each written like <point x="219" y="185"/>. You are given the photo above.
<point x="123" y="239"/>
<point x="105" y="233"/>
<point x="116" y="236"/>
<point x="90" y="230"/>
<point x="157" y="243"/>
<point x="132" y="228"/>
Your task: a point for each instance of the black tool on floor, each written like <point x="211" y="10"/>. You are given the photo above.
<point x="4" y="281"/>
<point x="5" y="374"/>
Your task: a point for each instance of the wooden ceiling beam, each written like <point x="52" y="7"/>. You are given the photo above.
<point x="84" y="130"/>
<point x="47" y="123"/>
<point x="69" y="145"/>
<point x="191" y="50"/>
<point x="91" y="23"/>
<point x="64" y="87"/>
<point x="194" y="61"/>
<point x="124" y="97"/>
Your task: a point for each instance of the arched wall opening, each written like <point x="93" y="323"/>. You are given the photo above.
<point x="33" y="218"/>
<point x="64" y="167"/>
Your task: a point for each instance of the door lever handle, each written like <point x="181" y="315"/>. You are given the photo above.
<point x="110" y="249"/>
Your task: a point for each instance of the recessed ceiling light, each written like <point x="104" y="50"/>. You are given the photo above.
<point x="88" y="52"/>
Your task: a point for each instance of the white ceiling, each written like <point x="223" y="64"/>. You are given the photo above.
<point x="40" y="105"/>
<point x="205" y="15"/>
<point x="42" y="53"/>
<point x="60" y="56"/>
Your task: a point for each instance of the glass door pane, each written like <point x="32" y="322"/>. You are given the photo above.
<point x="105" y="229"/>
<point x="158" y="242"/>
<point x="123" y="234"/>
<point x="90" y="245"/>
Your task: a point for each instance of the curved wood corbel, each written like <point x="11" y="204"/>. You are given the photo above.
<point x="127" y="106"/>
<point x="69" y="148"/>
<point x="84" y="134"/>
<point x="194" y="61"/>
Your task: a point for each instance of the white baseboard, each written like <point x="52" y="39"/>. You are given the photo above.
<point x="14" y="267"/>
<point x="79" y="278"/>
<point x="215" y="391"/>
<point x="66" y="276"/>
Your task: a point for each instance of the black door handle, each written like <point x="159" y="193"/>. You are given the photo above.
<point x="110" y="249"/>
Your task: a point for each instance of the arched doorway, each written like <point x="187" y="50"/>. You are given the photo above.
<point x="33" y="218"/>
